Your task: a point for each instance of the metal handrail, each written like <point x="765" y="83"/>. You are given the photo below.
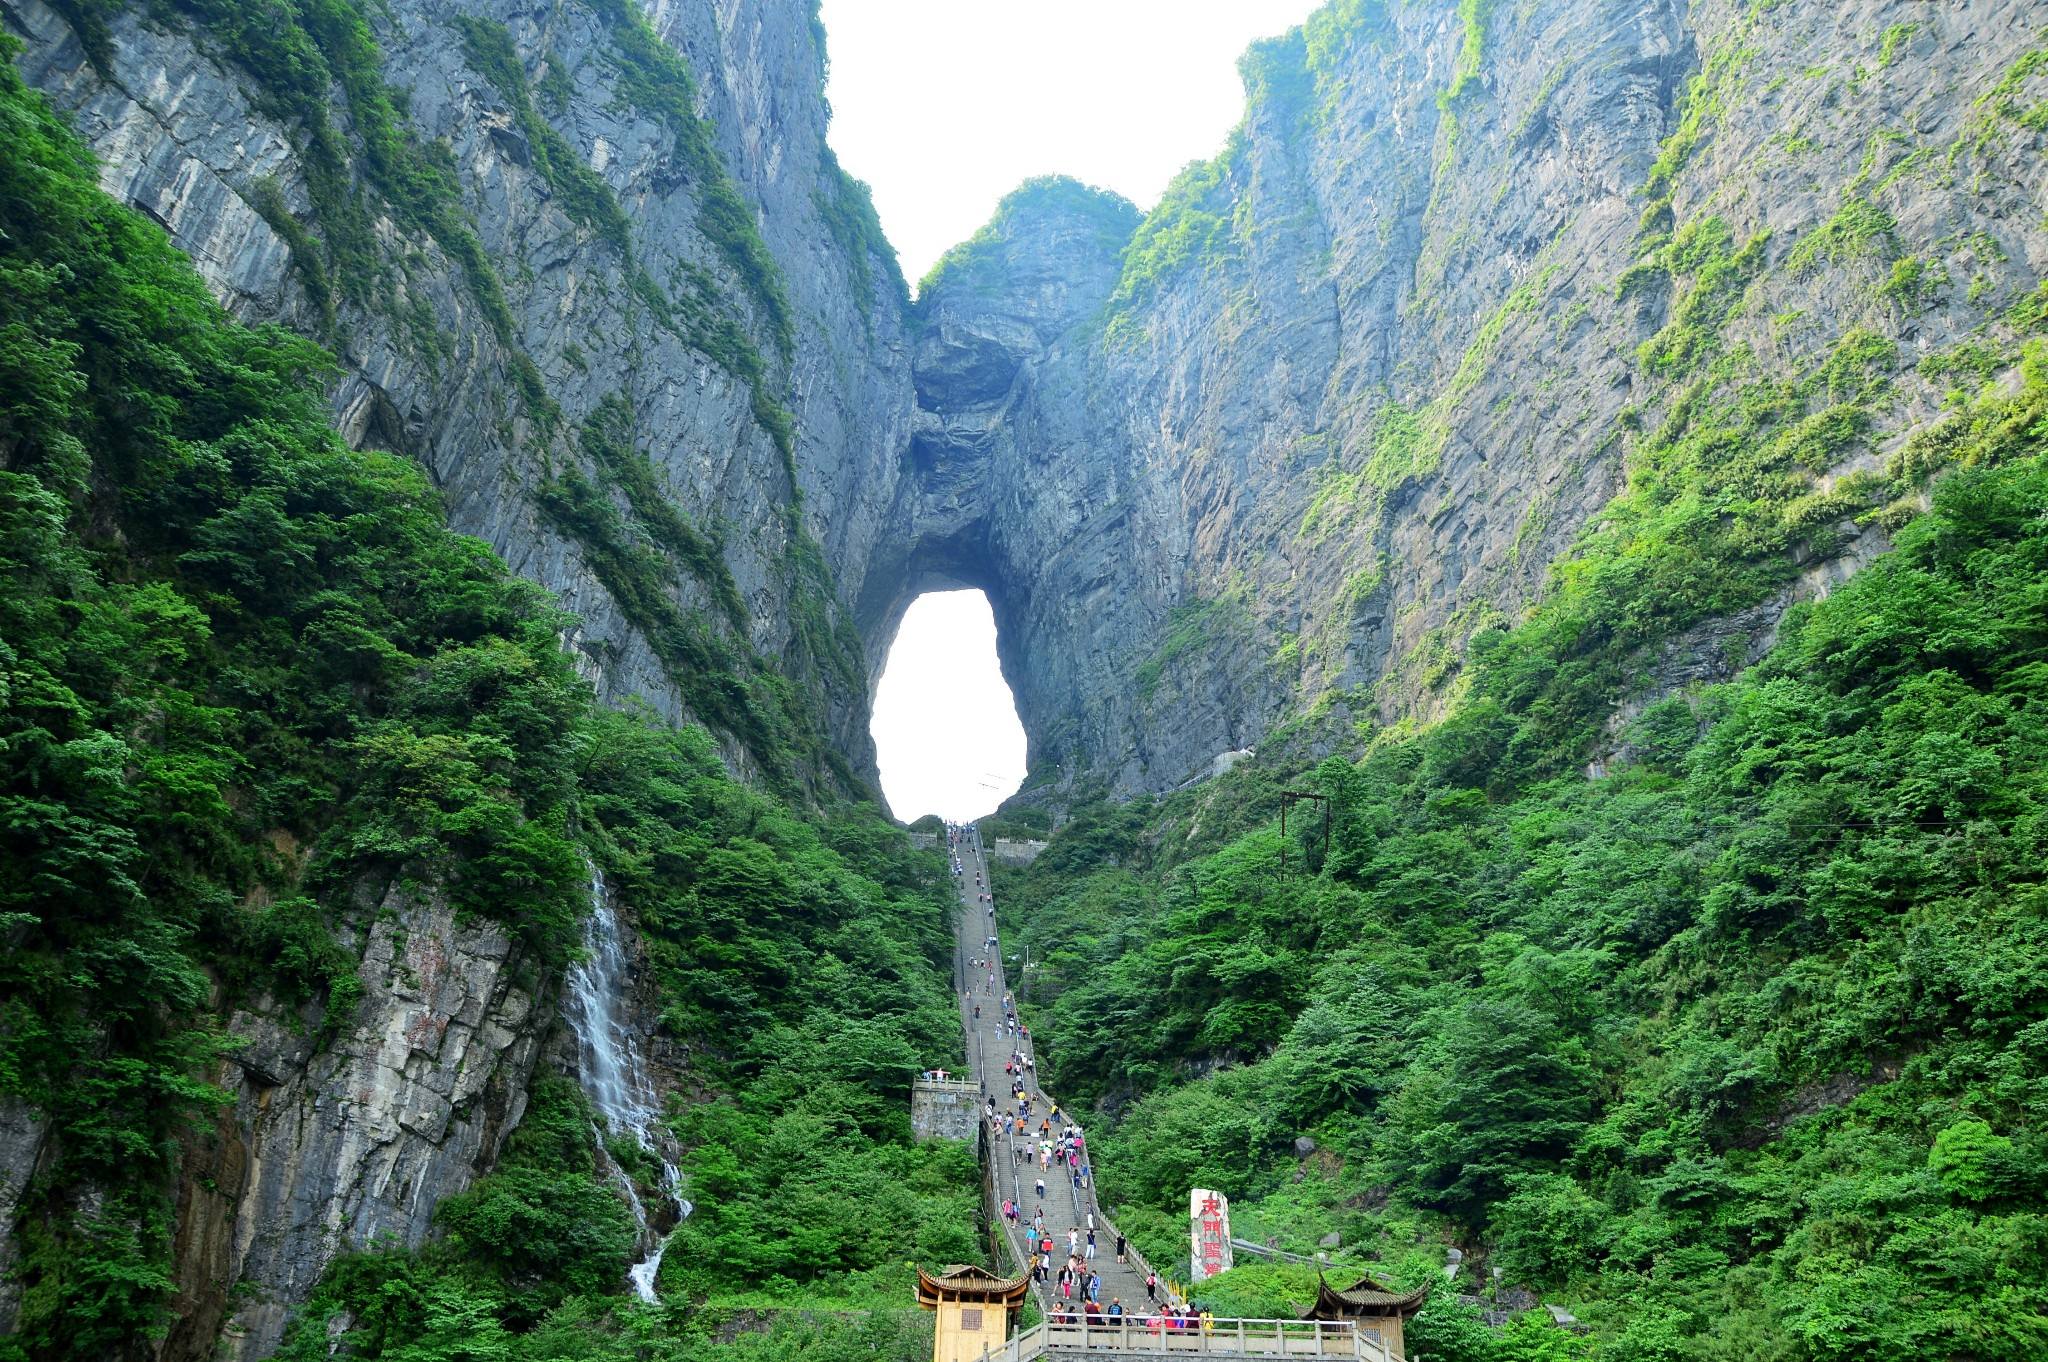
<point x="1131" y="1249"/>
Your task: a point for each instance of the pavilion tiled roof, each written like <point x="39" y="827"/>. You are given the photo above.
<point x="964" y="1281"/>
<point x="1365" y="1297"/>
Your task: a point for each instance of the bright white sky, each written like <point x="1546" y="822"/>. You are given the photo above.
<point x="943" y="107"/>
<point x="946" y="733"/>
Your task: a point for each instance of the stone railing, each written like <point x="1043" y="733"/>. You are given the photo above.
<point x="1145" y="1269"/>
<point x="1149" y="1335"/>
<point x="1017" y="850"/>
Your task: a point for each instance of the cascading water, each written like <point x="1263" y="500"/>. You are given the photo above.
<point x="614" y="1072"/>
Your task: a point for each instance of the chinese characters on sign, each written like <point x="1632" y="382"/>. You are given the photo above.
<point x="1208" y="1234"/>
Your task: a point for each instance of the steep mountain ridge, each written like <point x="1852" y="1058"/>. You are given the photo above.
<point x="1350" y="390"/>
<point x="1461" y="277"/>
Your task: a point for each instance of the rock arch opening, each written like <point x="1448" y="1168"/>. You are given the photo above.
<point x="944" y="723"/>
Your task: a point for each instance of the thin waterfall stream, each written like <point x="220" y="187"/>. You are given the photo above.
<point x="615" y="1074"/>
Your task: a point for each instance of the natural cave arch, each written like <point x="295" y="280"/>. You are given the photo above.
<point x="954" y="562"/>
<point x="1008" y="483"/>
<point x="946" y="735"/>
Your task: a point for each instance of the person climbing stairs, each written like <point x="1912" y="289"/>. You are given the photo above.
<point x="1059" y="1197"/>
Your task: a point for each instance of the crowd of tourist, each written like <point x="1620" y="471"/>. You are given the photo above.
<point x="1040" y="1138"/>
<point x="1156" y="1319"/>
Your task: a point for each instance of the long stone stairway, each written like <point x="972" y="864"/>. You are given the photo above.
<point x="1061" y="1336"/>
<point x="988" y="1049"/>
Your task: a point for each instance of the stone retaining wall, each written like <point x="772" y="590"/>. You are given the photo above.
<point x="944" y="1110"/>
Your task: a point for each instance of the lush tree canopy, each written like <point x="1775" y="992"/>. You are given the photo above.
<point x="1741" y="1048"/>
<point x="249" y="683"/>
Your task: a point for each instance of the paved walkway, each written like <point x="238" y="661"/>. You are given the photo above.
<point x="988" y="1049"/>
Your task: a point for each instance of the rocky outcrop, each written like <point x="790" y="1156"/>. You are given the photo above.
<point x="1011" y="490"/>
<point x="349" y="1130"/>
<point x="22" y="1132"/>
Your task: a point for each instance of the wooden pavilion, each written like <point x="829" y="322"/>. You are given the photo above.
<point x="973" y="1307"/>
<point x="1373" y="1308"/>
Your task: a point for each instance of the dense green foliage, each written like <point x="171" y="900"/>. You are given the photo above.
<point x="253" y="690"/>
<point x="1740" y="1049"/>
<point x="848" y="211"/>
<point x="1736" y="1046"/>
<point x="814" y="961"/>
<point x="976" y="263"/>
<point x="543" y="1225"/>
<point x="407" y="1308"/>
<point x="805" y="964"/>
<point x="245" y="669"/>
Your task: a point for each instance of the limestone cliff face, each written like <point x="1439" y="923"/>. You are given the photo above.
<point x="1346" y="395"/>
<point x="204" y="145"/>
<point x="343" y="1130"/>
<point x="339" y="1142"/>
<point x="1277" y="452"/>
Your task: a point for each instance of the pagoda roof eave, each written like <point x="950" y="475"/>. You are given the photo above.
<point x="1365" y="1297"/>
<point x="966" y="1282"/>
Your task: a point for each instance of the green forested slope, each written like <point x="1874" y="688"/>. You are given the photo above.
<point x="1739" y="1050"/>
<point x="249" y="680"/>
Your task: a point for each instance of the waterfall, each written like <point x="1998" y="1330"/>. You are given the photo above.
<point x="615" y="1073"/>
